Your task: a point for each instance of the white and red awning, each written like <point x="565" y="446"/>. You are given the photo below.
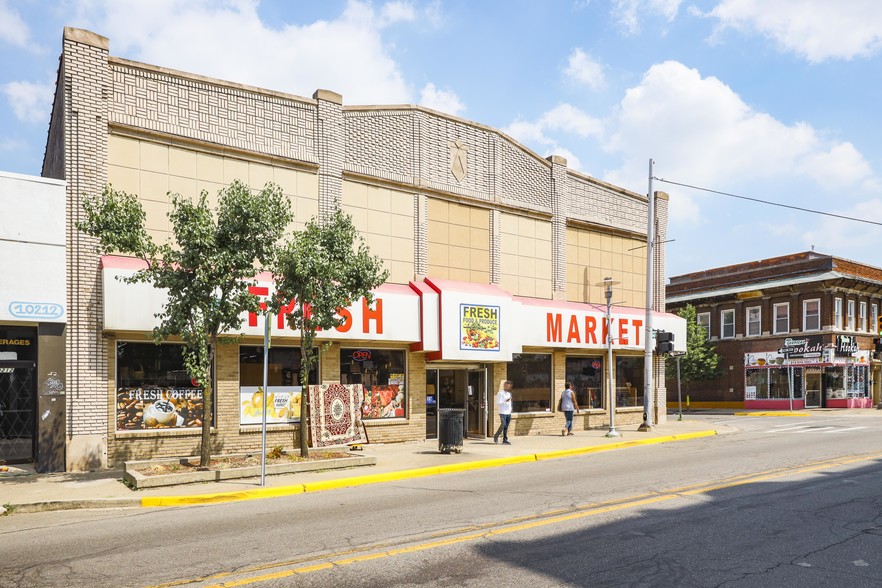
<point x="446" y="319"/>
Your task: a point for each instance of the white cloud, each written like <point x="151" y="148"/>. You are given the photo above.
<point x="847" y="238"/>
<point x="629" y="13"/>
<point x="9" y="144"/>
<point x="441" y="100"/>
<point x="700" y="132"/>
<point x="13" y="29"/>
<point x="30" y="101"/>
<point x="816" y="30"/>
<point x="397" y="11"/>
<point x="569" y="119"/>
<point x="229" y="41"/>
<point x="563" y="118"/>
<point x="582" y="68"/>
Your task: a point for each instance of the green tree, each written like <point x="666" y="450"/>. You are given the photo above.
<point x="325" y="267"/>
<point x="206" y="269"/>
<point x="701" y="361"/>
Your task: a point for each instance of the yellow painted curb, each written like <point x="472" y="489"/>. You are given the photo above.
<point x="774" y="413"/>
<point x="622" y="444"/>
<point x="220" y="497"/>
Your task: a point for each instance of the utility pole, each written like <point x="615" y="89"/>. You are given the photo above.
<point x="648" y="338"/>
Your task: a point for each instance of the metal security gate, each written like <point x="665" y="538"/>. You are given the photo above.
<point x="18" y="411"/>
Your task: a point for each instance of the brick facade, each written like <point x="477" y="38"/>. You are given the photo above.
<point x="789" y="282"/>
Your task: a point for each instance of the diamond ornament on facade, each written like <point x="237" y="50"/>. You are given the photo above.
<point x="458" y="159"/>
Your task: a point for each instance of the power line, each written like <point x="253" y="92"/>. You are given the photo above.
<point x="770" y="203"/>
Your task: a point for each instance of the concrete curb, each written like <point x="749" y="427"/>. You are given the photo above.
<point x="221" y="497"/>
<point x="52" y="505"/>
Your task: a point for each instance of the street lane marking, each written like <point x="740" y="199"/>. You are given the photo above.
<point x="517" y="524"/>
<point x="844" y="430"/>
<point x="814" y="430"/>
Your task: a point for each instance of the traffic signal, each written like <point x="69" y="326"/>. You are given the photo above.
<point x="879" y="324"/>
<point x="877" y="345"/>
<point x="664" y="342"/>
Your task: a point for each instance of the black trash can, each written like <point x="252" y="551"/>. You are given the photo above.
<point x="450" y="430"/>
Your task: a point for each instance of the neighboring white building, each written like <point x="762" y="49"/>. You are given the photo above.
<point x="33" y="303"/>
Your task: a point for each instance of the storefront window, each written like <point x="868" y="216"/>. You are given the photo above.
<point x="153" y="389"/>
<point x="283" y="381"/>
<point x="756" y="384"/>
<point x="629" y="381"/>
<point x="382" y="373"/>
<point x="530" y="375"/>
<point x="858" y="379"/>
<point x="834" y="383"/>
<point x="779" y="383"/>
<point x="772" y="384"/>
<point x="586" y="375"/>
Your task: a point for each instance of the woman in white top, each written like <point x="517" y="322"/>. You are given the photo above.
<point x="568" y="404"/>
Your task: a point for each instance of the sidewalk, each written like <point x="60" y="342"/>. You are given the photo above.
<point x="25" y="491"/>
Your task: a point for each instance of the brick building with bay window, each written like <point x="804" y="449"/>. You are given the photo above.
<point x="803" y="323"/>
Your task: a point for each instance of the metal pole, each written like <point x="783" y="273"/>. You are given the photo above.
<point x="266" y="336"/>
<point x="648" y="338"/>
<point x="679" y="398"/>
<point x="612" y="384"/>
<point x="789" y="380"/>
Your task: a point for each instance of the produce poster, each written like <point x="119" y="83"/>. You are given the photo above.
<point x="383" y="402"/>
<point x="282" y="404"/>
<point x="479" y="327"/>
<point x="158" y="408"/>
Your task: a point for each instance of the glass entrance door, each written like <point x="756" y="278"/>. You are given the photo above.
<point x="812" y="388"/>
<point x="18" y="411"/>
<point x="459" y="388"/>
<point x="476" y="404"/>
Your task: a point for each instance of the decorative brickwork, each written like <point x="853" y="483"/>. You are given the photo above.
<point x="185" y="105"/>
<point x="599" y="203"/>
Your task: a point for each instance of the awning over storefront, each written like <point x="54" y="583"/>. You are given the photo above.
<point x="446" y="319"/>
<point x="391" y="318"/>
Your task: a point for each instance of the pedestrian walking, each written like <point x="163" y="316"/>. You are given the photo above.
<point x="503" y="409"/>
<point x="569" y="405"/>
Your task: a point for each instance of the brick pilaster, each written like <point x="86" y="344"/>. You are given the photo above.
<point x="86" y="101"/>
<point x="559" y="210"/>
<point x="331" y="149"/>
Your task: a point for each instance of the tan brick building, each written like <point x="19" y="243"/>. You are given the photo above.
<point x="462" y="216"/>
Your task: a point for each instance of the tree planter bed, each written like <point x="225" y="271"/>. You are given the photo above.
<point x="133" y="476"/>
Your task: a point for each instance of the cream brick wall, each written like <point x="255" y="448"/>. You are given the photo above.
<point x="593" y="255"/>
<point x="385" y="218"/>
<point x="459" y="241"/>
<point x="151" y="169"/>
<point x="526" y="256"/>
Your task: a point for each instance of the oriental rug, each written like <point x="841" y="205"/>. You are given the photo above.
<point x="336" y="414"/>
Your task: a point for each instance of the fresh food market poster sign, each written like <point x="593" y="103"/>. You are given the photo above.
<point x="479" y="327"/>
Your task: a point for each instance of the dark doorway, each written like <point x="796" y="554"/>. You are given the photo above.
<point x="18" y="411"/>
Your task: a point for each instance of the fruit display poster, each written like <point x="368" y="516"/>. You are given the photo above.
<point x="479" y="327"/>
<point x="282" y="405"/>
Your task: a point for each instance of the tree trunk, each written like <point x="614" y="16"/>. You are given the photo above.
<point x="304" y="398"/>
<point x="207" y="410"/>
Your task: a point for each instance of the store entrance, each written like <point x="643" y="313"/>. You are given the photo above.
<point x="18" y="411"/>
<point x="812" y="388"/>
<point x="460" y="388"/>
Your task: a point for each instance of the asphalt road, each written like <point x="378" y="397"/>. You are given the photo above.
<point x="759" y="506"/>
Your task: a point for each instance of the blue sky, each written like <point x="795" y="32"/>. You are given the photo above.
<point x="772" y="99"/>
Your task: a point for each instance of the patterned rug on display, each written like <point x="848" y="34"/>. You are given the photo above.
<point x="336" y="414"/>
